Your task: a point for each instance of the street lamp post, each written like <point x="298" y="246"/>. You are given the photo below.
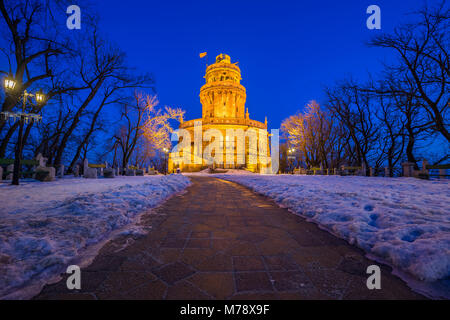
<point x="10" y="84"/>
<point x="291" y="158"/>
<point x="166" y="151"/>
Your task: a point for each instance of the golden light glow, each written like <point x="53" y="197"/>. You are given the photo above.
<point x="40" y="97"/>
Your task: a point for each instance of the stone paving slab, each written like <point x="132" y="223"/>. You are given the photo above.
<point x="219" y="240"/>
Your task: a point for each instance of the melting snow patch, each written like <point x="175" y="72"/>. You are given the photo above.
<point x="43" y="226"/>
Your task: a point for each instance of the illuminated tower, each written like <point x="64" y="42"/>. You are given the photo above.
<point x="223" y="110"/>
<point x="223" y="96"/>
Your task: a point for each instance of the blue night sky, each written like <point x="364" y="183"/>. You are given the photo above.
<point x="287" y="50"/>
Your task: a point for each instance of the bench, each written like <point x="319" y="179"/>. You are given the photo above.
<point x="5" y="162"/>
<point x="97" y="166"/>
<point x="37" y="164"/>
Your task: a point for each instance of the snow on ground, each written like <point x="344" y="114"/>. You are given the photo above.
<point x="404" y="221"/>
<point x="44" y="225"/>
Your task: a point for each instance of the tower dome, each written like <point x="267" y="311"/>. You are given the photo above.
<point x="223" y="58"/>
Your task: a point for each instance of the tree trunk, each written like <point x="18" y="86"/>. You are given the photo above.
<point x="75" y="122"/>
<point x="87" y="136"/>
<point x="6" y="139"/>
<point x="410" y="149"/>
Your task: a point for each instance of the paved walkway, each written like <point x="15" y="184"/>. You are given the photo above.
<point x="220" y="240"/>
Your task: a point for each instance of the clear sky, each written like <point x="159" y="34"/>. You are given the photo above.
<point x="287" y="50"/>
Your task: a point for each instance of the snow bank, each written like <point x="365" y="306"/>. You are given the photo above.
<point x="404" y="221"/>
<point x="43" y="226"/>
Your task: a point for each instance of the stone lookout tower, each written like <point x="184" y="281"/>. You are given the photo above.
<point x="223" y="96"/>
<point x="223" y="108"/>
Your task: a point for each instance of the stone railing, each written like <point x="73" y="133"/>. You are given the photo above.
<point x="231" y="121"/>
<point x="342" y="171"/>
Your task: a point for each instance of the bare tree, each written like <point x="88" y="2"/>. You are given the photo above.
<point x="144" y="123"/>
<point x="355" y="110"/>
<point x="413" y="119"/>
<point x="22" y="20"/>
<point x="35" y="50"/>
<point x="130" y="132"/>
<point x="423" y="51"/>
<point x="392" y="132"/>
<point x="311" y="133"/>
<point x="110" y="97"/>
<point x="105" y="67"/>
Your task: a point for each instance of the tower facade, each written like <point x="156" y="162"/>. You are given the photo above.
<point x="235" y="135"/>
<point x="223" y="96"/>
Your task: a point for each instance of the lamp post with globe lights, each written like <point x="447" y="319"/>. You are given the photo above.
<point x="166" y="152"/>
<point x="291" y="158"/>
<point x="26" y="97"/>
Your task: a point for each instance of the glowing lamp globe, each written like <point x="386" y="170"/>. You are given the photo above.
<point x="40" y="97"/>
<point x="9" y="83"/>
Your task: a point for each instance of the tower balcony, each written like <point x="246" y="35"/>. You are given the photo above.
<point x="224" y="66"/>
<point x="225" y="121"/>
<point x="219" y="86"/>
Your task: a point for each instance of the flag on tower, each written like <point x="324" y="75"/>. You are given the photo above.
<point x="203" y="54"/>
